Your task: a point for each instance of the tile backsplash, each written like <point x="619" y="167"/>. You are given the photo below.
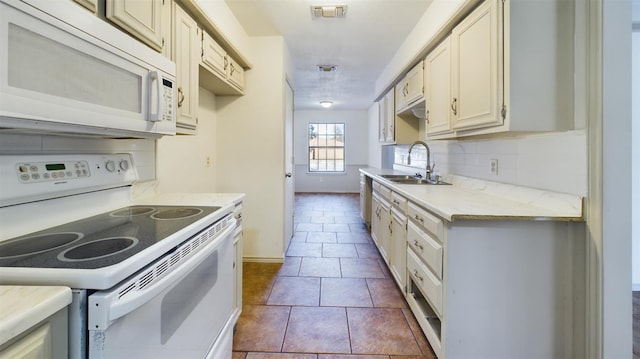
<point x="552" y="161"/>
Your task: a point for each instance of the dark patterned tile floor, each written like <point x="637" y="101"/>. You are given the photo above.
<point x="333" y="298"/>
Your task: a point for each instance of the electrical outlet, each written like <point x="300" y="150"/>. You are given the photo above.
<point x="493" y="169"/>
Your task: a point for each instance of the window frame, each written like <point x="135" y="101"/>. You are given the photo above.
<point x="326" y="147"/>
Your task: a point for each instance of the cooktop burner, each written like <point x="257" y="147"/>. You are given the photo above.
<point x="99" y="241"/>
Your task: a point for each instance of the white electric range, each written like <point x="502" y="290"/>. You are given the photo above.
<point x="157" y="271"/>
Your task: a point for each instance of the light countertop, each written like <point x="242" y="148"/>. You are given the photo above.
<point x="22" y="307"/>
<point x="469" y="198"/>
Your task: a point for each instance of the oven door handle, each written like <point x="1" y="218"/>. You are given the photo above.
<point x="106" y="307"/>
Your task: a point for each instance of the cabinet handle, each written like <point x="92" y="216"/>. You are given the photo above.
<point x="415" y="243"/>
<point x="396" y="202"/>
<point x="226" y="63"/>
<point x="415" y="274"/>
<point x="180" y="96"/>
<point x="427" y="116"/>
<point x="418" y="218"/>
<point x="233" y="69"/>
<point x="454" y="106"/>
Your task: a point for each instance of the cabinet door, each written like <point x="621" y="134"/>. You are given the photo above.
<point x="186" y="51"/>
<point x="167" y="27"/>
<point x="476" y="69"/>
<point x="390" y="117"/>
<point x="437" y="83"/>
<point x="37" y="344"/>
<point x="398" y="249"/>
<point x="400" y="95"/>
<point x="236" y="73"/>
<point x="382" y="121"/>
<point x="375" y="218"/>
<point x="414" y="84"/>
<point x="141" y="18"/>
<point x="214" y="56"/>
<point x="384" y="231"/>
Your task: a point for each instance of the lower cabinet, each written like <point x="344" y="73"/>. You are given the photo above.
<point x="45" y="340"/>
<point x="496" y="288"/>
<point x="485" y="288"/>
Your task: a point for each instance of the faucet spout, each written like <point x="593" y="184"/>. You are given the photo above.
<point x="429" y="167"/>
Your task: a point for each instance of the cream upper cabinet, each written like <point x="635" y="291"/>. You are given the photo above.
<point x="186" y="48"/>
<point x="437" y="89"/>
<point x="220" y="73"/>
<point x="141" y="18"/>
<point x="507" y="73"/>
<point x="387" y="118"/>
<point x="410" y="89"/>
<point x="213" y="55"/>
<point x="476" y="85"/>
<point x="167" y="29"/>
<point x="236" y="74"/>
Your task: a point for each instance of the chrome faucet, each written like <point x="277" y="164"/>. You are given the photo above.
<point x="429" y="167"/>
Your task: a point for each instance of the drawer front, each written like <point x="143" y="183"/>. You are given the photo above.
<point x="423" y="218"/>
<point x="399" y="202"/>
<point x="428" y="284"/>
<point x="376" y="186"/>
<point x="385" y="193"/>
<point x="426" y="248"/>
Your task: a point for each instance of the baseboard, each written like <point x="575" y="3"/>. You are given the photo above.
<point x="279" y="260"/>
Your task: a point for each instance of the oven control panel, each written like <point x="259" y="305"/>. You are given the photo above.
<point x="31" y="172"/>
<point x="27" y="178"/>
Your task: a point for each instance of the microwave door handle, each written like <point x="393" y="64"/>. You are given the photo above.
<point x="155" y="76"/>
<point x="111" y="311"/>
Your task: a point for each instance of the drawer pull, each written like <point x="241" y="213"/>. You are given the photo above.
<point x="396" y="202"/>
<point x="418" y="218"/>
<point x="415" y="274"/>
<point x="417" y="244"/>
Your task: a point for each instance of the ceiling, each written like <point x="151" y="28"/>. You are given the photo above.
<point x="360" y="44"/>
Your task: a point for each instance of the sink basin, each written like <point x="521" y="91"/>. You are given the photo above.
<point x="408" y="179"/>
<point x="398" y="177"/>
<point x="418" y="181"/>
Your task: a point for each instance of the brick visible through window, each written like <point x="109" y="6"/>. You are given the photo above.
<point x="326" y="147"/>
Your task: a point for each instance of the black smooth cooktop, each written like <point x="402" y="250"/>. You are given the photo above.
<point x="101" y="240"/>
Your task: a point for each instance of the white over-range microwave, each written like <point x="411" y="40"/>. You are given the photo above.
<point x="64" y="70"/>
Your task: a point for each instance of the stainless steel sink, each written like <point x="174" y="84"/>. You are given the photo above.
<point x="398" y="177"/>
<point x="408" y="179"/>
<point x="418" y="181"/>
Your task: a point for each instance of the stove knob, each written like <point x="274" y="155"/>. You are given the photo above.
<point x="110" y="165"/>
<point x="124" y="165"/>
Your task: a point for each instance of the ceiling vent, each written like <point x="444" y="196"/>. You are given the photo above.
<point x="327" y="68"/>
<point x="318" y="11"/>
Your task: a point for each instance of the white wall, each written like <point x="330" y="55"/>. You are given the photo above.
<point x="187" y="163"/>
<point x="250" y="146"/>
<point x="356" y="150"/>
<point x="436" y="16"/>
<point x="635" y="115"/>
<point x="553" y="161"/>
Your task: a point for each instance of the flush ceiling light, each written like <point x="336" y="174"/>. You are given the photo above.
<point x="326" y="104"/>
<point x="318" y="11"/>
<point x="327" y="68"/>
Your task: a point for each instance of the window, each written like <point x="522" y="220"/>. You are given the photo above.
<point x="326" y="147"/>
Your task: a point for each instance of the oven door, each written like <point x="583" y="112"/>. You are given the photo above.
<point x="178" y="316"/>
<point x="55" y="77"/>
